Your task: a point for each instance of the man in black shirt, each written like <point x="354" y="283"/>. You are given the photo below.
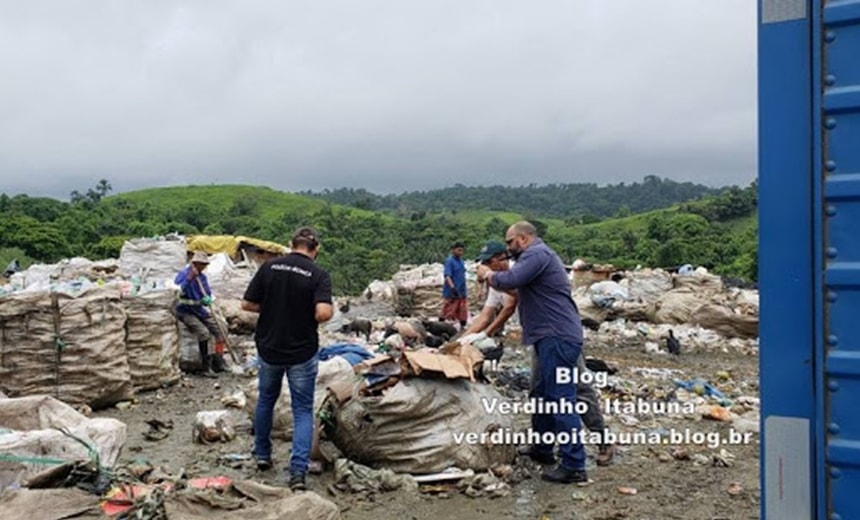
<point x="292" y="295"/>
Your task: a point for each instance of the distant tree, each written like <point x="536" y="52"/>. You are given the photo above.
<point x="103" y="187"/>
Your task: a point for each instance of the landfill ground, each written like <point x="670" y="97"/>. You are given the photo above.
<point x="645" y="481"/>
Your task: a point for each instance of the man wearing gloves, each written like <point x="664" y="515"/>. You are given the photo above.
<point x="195" y="298"/>
<point x="551" y="323"/>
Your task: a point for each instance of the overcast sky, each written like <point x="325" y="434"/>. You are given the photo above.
<point x="385" y="95"/>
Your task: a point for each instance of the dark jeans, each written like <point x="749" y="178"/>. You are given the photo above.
<point x="552" y="353"/>
<point x="301" y="379"/>
<point x="585" y="393"/>
<point x="202" y="328"/>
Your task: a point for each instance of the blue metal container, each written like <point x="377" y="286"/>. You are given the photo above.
<point x="809" y="258"/>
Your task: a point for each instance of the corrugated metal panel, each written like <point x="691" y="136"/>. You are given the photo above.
<point x="839" y="172"/>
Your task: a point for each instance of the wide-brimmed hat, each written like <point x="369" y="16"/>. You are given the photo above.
<point x="200" y="257"/>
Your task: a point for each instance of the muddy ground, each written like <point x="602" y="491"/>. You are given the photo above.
<point x="666" y="487"/>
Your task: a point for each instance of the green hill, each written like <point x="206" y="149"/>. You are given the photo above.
<point x="361" y="245"/>
<point x="559" y="201"/>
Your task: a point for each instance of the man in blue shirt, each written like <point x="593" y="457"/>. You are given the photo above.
<point x="455" y="306"/>
<point x="195" y="298"/>
<point x="551" y="323"/>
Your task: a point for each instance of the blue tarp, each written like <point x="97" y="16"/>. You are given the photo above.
<point x="355" y="354"/>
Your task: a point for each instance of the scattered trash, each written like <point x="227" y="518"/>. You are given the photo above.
<point x="213" y="426"/>
<point x="718" y="413"/>
<point x="700" y="387"/>
<point x="446" y="475"/>
<point x="235" y="400"/>
<point x="356" y="478"/>
<point x="625" y="490"/>
<point x="724" y="459"/>
<point x="503" y="471"/>
<point x="158" y="430"/>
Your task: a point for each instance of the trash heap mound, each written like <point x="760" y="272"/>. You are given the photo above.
<point x="653" y="295"/>
<point x="410" y="412"/>
<point x="417" y="290"/>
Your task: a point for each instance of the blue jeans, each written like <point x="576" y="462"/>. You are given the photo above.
<point x="552" y="353"/>
<point x="301" y="379"/>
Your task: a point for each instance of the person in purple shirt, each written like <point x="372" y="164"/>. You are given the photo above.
<point x="195" y="298"/>
<point x="551" y="323"/>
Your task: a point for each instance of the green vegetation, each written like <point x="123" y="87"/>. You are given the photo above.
<point x="359" y="245"/>
<point x="584" y="203"/>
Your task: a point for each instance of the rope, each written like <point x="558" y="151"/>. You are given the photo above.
<point x="33" y="460"/>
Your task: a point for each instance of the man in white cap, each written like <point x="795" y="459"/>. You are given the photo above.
<point x="195" y="298"/>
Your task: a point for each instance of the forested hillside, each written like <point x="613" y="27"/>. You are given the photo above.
<point x="585" y="202"/>
<point x="360" y="245"/>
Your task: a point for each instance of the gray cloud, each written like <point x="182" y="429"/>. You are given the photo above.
<point x="386" y="95"/>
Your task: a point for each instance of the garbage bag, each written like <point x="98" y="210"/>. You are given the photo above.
<point x="415" y="426"/>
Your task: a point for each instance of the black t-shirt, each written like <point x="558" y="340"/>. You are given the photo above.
<point x="288" y="290"/>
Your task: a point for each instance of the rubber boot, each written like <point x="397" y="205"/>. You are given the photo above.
<point x="218" y="364"/>
<point x="205" y="360"/>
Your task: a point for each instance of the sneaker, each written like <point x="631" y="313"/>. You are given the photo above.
<point x="264" y="464"/>
<point x="605" y="454"/>
<point x="546" y="458"/>
<point x="297" y="483"/>
<point x="565" y="476"/>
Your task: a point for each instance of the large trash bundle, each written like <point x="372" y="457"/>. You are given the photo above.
<point x="418" y="289"/>
<point x="153" y="339"/>
<point x="42" y="277"/>
<point x="332" y="373"/>
<point x="697" y="298"/>
<point x="227" y="280"/>
<point x="32" y="438"/>
<point x="67" y="345"/>
<point x="155" y="259"/>
<point x="414" y="427"/>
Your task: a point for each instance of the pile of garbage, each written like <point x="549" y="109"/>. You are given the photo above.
<point x="91" y="333"/>
<point x="693" y="298"/>
<point x="656" y="296"/>
<point x="57" y="463"/>
<point x="621" y="333"/>
<point x="400" y="409"/>
<point x="417" y="290"/>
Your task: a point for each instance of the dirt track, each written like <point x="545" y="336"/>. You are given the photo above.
<point x="667" y="488"/>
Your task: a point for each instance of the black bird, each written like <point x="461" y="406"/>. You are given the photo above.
<point x="598" y="365"/>
<point x="345" y="307"/>
<point x="672" y="344"/>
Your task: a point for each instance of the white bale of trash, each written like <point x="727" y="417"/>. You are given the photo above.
<point x="153" y="258"/>
<point x="32" y="440"/>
